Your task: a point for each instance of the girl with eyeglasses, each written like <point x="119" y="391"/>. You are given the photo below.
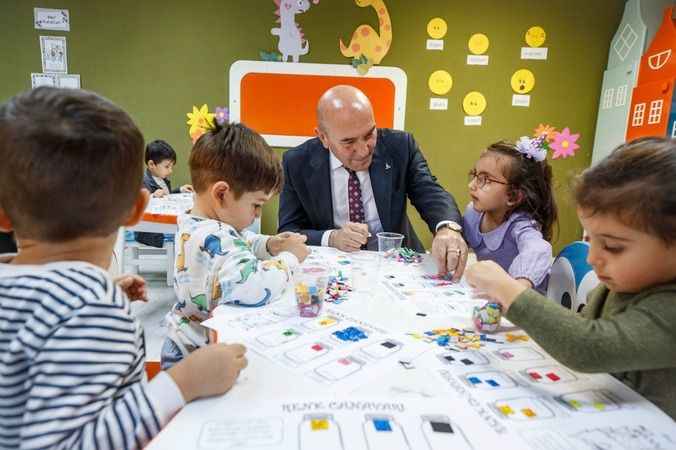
<point x="512" y="213"/>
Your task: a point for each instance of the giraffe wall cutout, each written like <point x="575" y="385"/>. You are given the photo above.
<point x="368" y="47"/>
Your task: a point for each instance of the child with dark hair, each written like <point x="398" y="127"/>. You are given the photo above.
<point x="627" y="205"/>
<point x="71" y="354"/>
<point x="217" y="261"/>
<point x="160" y="159"/>
<point x="511" y="216"/>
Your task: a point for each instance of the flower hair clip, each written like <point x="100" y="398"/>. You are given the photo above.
<point x="533" y="148"/>
<point x="201" y="120"/>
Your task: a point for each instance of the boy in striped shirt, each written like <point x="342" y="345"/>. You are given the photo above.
<point x="71" y="354"/>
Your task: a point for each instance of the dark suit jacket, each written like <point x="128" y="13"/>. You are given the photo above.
<point x="398" y="170"/>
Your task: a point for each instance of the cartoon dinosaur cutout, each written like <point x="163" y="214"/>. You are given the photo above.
<point x="367" y="47"/>
<point x="291" y="44"/>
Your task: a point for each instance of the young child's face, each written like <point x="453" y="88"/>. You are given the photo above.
<point x="162" y="169"/>
<point x="493" y="195"/>
<point x="626" y="259"/>
<point x="243" y="211"/>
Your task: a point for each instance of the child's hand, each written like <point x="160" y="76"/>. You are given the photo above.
<point x="159" y="193"/>
<point x="283" y="241"/>
<point x="210" y="370"/>
<point x="134" y="286"/>
<point x="490" y="280"/>
<point x="187" y="188"/>
<point x="298" y="248"/>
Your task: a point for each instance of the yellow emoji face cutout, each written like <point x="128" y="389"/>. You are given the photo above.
<point x="474" y="103"/>
<point x="440" y="82"/>
<point x="478" y="44"/>
<point x="437" y="28"/>
<point x="523" y="81"/>
<point x="535" y="36"/>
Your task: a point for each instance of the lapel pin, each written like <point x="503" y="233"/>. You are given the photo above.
<point x="387" y="166"/>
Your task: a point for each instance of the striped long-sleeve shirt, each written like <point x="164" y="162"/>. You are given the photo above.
<point x="72" y="363"/>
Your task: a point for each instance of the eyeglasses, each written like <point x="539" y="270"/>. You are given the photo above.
<point x="482" y="179"/>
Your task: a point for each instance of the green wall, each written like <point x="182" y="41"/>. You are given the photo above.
<point x="156" y="59"/>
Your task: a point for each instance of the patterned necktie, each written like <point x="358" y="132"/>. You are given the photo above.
<point x="354" y="198"/>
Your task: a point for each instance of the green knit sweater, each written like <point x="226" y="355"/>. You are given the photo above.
<point x="632" y="336"/>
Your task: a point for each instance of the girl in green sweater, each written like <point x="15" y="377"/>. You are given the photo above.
<point x="627" y="205"/>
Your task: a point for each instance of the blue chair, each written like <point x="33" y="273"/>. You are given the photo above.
<point x="572" y="278"/>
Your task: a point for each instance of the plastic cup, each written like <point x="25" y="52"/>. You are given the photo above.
<point x="389" y="241"/>
<point x="487" y="317"/>
<point x="310" y="287"/>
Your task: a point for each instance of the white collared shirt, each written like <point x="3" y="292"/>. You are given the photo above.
<point x="341" y="209"/>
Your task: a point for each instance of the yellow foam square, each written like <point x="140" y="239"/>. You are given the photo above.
<point x="319" y="424"/>
<point x="506" y="410"/>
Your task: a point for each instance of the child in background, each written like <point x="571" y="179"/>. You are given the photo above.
<point x="627" y="205"/>
<point x="217" y="261"/>
<point x="160" y="161"/>
<point x="511" y="216"/>
<point x="71" y="354"/>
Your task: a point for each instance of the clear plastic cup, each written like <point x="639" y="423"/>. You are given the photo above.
<point x="389" y="241"/>
<point x="310" y="287"/>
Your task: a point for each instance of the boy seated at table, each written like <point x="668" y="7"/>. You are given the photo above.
<point x="234" y="172"/>
<point x="160" y="161"/>
<point x="71" y="353"/>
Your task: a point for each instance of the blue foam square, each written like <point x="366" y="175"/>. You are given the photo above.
<point x="382" y="425"/>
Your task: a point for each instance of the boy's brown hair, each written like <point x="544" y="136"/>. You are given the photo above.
<point x="71" y="164"/>
<point x="237" y="155"/>
<point x="637" y="184"/>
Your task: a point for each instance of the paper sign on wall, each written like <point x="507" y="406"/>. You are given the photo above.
<point x="51" y="19"/>
<point x="440" y="82"/>
<point x="535" y="37"/>
<point x="43" y="79"/>
<point x="436" y="29"/>
<point x="478" y="45"/>
<point x="438" y="104"/>
<point x="71" y="81"/>
<point x="54" y="54"/>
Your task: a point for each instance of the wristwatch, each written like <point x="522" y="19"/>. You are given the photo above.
<point x="453" y="226"/>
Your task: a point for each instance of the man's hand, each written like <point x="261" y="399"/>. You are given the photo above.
<point x="450" y="252"/>
<point x="350" y="238"/>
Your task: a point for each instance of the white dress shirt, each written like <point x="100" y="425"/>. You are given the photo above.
<point x="341" y="209"/>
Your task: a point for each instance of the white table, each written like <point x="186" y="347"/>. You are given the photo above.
<point x="491" y="397"/>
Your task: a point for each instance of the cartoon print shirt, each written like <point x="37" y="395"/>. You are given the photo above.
<point x="215" y="264"/>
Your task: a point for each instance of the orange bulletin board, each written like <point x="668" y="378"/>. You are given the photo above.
<point x="279" y="100"/>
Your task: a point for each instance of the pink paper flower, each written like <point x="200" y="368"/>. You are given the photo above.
<point x="564" y="144"/>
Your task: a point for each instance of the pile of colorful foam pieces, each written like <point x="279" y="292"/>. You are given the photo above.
<point x="456" y="339"/>
<point x="405" y="255"/>
<point x="486" y="318"/>
<point x="338" y="289"/>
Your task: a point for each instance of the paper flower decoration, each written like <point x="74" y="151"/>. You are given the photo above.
<point x="222" y="115"/>
<point x="200" y="121"/>
<point x="547" y="130"/>
<point x="564" y="144"/>
<point x="535" y="148"/>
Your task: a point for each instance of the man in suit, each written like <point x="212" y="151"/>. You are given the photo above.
<point x="351" y="182"/>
